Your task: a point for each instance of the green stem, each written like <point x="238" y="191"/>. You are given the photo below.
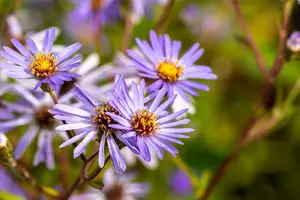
<point x="292" y="95"/>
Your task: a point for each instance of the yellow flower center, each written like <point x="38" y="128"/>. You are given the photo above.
<point x="169" y="72"/>
<point x="144" y="123"/>
<point x="43" y="65"/>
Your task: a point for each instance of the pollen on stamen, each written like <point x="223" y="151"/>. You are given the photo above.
<point x="145" y="122"/>
<point x="43" y="65"/>
<point x="169" y="71"/>
<point x="101" y="120"/>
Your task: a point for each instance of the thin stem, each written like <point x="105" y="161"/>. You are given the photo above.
<point x="162" y="20"/>
<point x="228" y="160"/>
<point x="27" y="176"/>
<point x="242" y="21"/>
<point x="70" y="133"/>
<point x="96" y="171"/>
<point x="74" y="186"/>
<point x="127" y="35"/>
<point x="279" y="61"/>
<point x="293" y="94"/>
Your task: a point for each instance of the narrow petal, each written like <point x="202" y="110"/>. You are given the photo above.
<point x="74" y="139"/>
<point x="101" y="159"/>
<point x="73" y="126"/>
<point x="25" y="141"/>
<point x="81" y="147"/>
<point x="171" y="116"/>
<point x="144" y="150"/>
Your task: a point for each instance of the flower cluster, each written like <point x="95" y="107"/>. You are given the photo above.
<point x="135" y="110"/>
<point x="133" y="115"/>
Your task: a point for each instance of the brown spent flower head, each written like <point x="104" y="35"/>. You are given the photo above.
<point x="116" y="192"/>
<point x="43" y="118"/>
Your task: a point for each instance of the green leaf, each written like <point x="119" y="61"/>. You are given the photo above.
<point x="6" y="195"/>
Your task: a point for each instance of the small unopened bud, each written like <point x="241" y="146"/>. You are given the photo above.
<point x="5" y="149"/>
<point x="293" y="42"/>
<point x="46" y="87"/>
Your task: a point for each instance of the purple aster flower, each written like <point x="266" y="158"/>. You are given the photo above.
<point x="161" y="63"/>
<point x="34" y="113"/>
<point x="92" y="123"/>
<point x="181" y="184"/>
<point x="293" y="42"/>
<point x="7" y="184"/>
<point x="206" y="22"/>
<point x="104" y="12"/>
<point x="117" y="188"/>
<point x="5" y="112"/>
<point x="141" y="8"/>
<point x="150" y="125"/>
<point x="41" y="64"/>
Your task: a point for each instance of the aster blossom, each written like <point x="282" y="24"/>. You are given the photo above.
<point x="161" y="63"/>
<point x="293" y="42"/>
<point x="42" y="65"/>
<point x="151" y="125"/>
<point x="33" y="113"/>
<point x="92" y="123"/>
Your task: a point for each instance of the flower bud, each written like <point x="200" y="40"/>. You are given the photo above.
<point x="293" y="42"/>
<point x="5" y="149"/>
<point x="46" y="87"/>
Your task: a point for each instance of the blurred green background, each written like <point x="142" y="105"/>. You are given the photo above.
<point x="264" y="169"/>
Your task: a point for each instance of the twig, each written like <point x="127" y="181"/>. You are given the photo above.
<point x="74" y="186"/>
<point x="279" y="61"/>
<point x="274" y="72"/>
<point x="242" y="21"/>
<point x="96" y="171"/>
<point x="64" y="166"/>
<point x="127" y="35"/>
<point x="164" y="16"/>
<point x="228" y="160"/>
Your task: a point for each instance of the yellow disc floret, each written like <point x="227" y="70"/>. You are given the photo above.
<point x="43" y="65"/>
<point x="145" y="122"/>
<point x="169" y="72"/>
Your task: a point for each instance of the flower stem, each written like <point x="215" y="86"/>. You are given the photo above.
<point x="127" y="36"/>
<point x="163" y="18"/>
<point x="242" y="21"/>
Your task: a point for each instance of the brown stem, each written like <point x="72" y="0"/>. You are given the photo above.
<point x="242" y="21"/>
<point x="164" y="16"/>
<point x="64" y="168"/>
<point x="274" y="72"/>
<point x="279" y="61"/>
<point x="74" y="186"/>
<point x="127" y="35"/>
<point x="96" y="171"/>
